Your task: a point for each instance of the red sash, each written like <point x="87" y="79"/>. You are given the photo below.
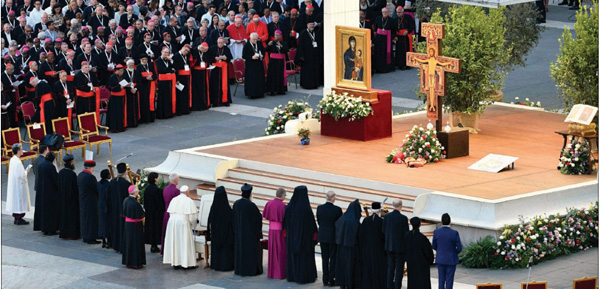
<point x="189" y="85"/>
<point x="206" y="77"/>
<point x="173" y="78"/>
<point x="29" y="89"/>
<point x="90" y="94"/>
<point x="388" y="34"/>
<point x="70" y="78"/>
<point x="224" y="78"/>
<point x="129" y="220"/>
<point x="152" y="89"/>
<point x="45" y="97"/>
<point x="282" y="57"/>
<point x="122" y="93"/>
<point x="49" y="73"/>
<point x="410" y="39"/>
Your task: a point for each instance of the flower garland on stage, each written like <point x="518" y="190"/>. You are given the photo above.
<point x="574" y="159"/>
<point x="421" y="146"/>
<point x="344" y="106"/>
<point x="281" y="115"/>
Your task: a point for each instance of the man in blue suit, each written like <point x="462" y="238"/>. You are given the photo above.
<point x="446" y="243"/>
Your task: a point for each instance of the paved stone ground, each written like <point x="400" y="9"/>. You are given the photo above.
<point x="31" y="260"/>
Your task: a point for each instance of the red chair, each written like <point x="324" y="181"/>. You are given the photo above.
<point x="293" y="69"/>
<point x="28" y="110"/>
<point x="61" y="126"/>
<point x="90" y="133"/>
<point x="36" y="133"/>
<point x="489" y="286"/>
<point x="534" y="285"/>
<point x="585" y="283"/>
<point x="239" y="68"/>
<point x="12" y="136"/>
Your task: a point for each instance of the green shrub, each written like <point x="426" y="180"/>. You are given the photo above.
<point x="479" y="254"/>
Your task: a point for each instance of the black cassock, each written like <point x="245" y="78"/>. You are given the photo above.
<point x="61" y="89"/>
<point x="50" y="111"/>
<point x="164" y="105"/>
<point x="180" y="62"/>
<point x="48" y="193"/>
<point x="88" y="205"/>
<point x="154" y="204"/>
<point x="247" y="229"/>
<point x="134" y="253"/>
<point x="419" y="256"/>
<point x="309" y="58"/>
<point x="217" y="83"/>
<point x="347" y="270"/>
<point x="276" y="72"/>
<point x="254" y="84"/>
<point x="115" y="194"/>
<point x="220" y="230"/>
<point x="115" y="116"/>
<point x="9" y="95"/>
<point x="403" y="43"/>
<point x="373" y="261"/>
<point x="301" y="232"/>
<point x="102" y="210"/>
<point x="200" y="80"/>
<point x="104" y="60"/>
<point x="384" y="61"/>
<point x="143" y="86"/>
<point x="69" y="204"/>
<point x="81" y="80"/>
<point x="133" y="100"/>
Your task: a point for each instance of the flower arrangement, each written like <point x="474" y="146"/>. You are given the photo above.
<point x="546" y="237"/>
<point x="281" y="115"/>
<point x="526" y="102"/>
<point x="342" y="105"/>
<point x="574" y="159"/>
<point x="304" y="133"/>
<point x="420" y="143"/>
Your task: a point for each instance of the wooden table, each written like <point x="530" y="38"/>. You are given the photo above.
<point x="589" y="137"/>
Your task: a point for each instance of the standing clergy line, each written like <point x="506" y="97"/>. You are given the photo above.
<point x="355" y="254"/>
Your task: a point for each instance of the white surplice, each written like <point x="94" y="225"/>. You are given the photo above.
<point x="179" y="247"/>
<point x="17" y="190"/>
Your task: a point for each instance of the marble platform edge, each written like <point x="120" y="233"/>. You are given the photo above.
<point x="193" y="166"/>
<point x="493" y="215"/>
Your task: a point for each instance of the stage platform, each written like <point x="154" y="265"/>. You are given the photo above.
<point x="480" y="202"/>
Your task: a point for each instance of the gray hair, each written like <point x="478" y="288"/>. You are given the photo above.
<point x="16" y="148"/>
<point x="280" y="193"/>
<point x="274" y="13"/>
<point x="112" y="21"/>
<point x="330" y="196"/>
<point x="252" y="11"/>
<point x="173" y="177"/>
<point x="135" y="190"/>
<point x="397" y="203"/>
<point x="253" y="35"/>
<point x="41" y="35"/>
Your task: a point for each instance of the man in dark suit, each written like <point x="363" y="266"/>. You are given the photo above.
<point x="446" y="243"/>
<point x="395" y="226"/>
<point x="37" y="217"/>
<point x="327" y="215"/>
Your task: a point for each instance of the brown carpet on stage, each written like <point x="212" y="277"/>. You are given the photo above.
<point x="526" y="134"/>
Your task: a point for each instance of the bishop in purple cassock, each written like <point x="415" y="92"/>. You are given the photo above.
<point x="274" y="211"/>
<point x="171" y="191"/>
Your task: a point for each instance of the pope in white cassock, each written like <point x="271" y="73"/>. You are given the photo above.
<point x="17" y="190"/>
<point x="179" y="248"/>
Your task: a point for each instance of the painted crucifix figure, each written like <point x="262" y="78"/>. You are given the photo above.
<point x="433" y="67"/>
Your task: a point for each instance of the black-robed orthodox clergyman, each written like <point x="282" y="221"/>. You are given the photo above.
<point x="347" y="267"/>
<point x="247" y="232"/>
<point x="220" y="230"/>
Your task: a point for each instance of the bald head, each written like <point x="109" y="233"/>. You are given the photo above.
<point x="397" y="203"/>
<point x="330" y="196"/>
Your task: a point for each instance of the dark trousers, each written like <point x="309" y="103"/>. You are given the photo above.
<point x="446" y="276"/>
<point x="328" y="257"/>
<point x="18" y="216"/>
<point x="395" y="268"/>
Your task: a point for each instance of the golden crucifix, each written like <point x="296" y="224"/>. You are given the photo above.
<point x="433" y="67"/>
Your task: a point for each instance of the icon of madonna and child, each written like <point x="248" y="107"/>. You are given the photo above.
<point x="353" y="61"/>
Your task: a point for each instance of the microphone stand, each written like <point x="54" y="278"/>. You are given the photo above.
<point x="529" y="274"/>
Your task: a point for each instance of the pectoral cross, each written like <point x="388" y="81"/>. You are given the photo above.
<point x="432" y="70"/>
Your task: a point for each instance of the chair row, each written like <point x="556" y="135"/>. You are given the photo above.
<point x="89" y="135"/>
<point x="583" y="283"/>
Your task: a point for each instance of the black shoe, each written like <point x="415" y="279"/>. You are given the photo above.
<point x="226" y="104"/>
<point x="563" y="3"/>
<point x="92" y="241"/>
<point x="21" y="222"/>
<point x="176" y="267"/>
<point x="15" y="222"/>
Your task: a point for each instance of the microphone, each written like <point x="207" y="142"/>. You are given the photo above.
<point x="130" y="154"/>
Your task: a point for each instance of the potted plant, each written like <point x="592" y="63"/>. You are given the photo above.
<point x="478" y="38"/>
<point x="304" y="134"/>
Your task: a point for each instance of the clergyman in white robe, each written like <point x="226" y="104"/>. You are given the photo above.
<point x="179" y="250"/>
<point x="17" y="190"/>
